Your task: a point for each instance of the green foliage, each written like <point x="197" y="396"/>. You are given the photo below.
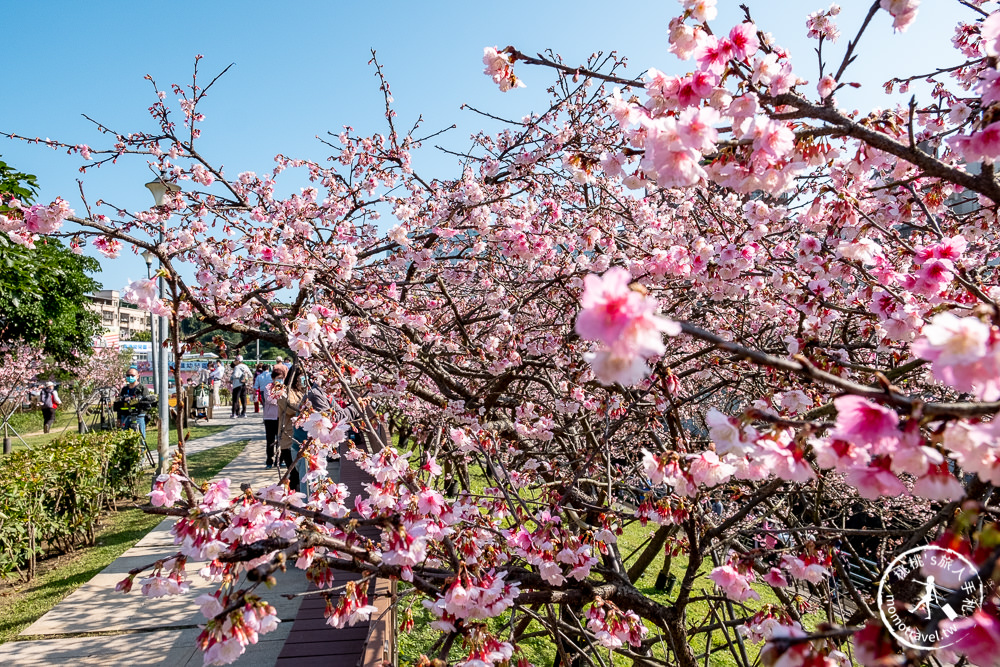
<point x="25" y="604"/>
<point x="210" y="342"/>
<point x="43" y="292"/>
<point x="43" y="296"/>
<point x="27" y="422"/>
<point x="16" y="184"/>
<point x="54" y="495"/>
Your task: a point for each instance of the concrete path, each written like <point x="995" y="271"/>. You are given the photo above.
<point x="97" y="626"/>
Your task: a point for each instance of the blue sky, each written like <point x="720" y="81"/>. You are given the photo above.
<point x="301" y="69"/>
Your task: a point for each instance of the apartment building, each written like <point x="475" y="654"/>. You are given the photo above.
<point x="121" y="320"/>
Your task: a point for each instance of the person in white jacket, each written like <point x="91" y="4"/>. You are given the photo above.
<point x="215" y="375"/>
<point x="49" y="399"/>
<point x="242" y="379"/>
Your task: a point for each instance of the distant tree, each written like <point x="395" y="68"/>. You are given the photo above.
<point x="82" y="380"/>
<point x="19" y="368"/>
<point x="43" y="290"/>
<point x="142" y="336"/>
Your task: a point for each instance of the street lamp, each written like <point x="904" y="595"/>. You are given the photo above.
<point x="148" y="256"/>
<point x="160" y="188"/>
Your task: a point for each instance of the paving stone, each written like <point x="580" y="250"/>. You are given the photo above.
<point x="160" y="631"/>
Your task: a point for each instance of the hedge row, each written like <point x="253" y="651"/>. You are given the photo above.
<point x="52" y="497"/>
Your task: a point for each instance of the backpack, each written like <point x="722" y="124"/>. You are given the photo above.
<point x="47" y="398"/>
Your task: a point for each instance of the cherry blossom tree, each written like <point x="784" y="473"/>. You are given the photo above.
<point x="89" y="375"/>
<point x="658" y="292"/>
<point x="20" y="364"/>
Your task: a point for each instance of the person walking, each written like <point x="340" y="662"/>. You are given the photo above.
<point x="290" y="399"/>
<point x="50" y="401"/>
<point x="242" y="377"/>
<point x="258" y="398"/>
<point x="215" y="373"/>
<point x="269" y="393"/>
<point x="261" y="380"/>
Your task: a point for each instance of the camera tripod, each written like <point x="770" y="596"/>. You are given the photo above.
<point x="104" y="417"/>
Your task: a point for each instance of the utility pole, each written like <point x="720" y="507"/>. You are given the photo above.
<point x="159" y="188"/>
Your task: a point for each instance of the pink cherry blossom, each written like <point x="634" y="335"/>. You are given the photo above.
<point x="989" y="29"/>
<point x="734" y="585"/>
<point x="609" y="306"/>
<point x="826" y="86"/>
<point x="167" y="490"/>
<point x="500" y="69"/>
<point x="708" y="470"/>
<point x="775" y="578"/>
<point x="743" y="38"/>
<point x="784" y="459"/>
<point x="807" y="569"/>
<point x="977" y="636"/>
<point x="773" y="138"/>
<point x="820" y="24"/>
<point x="40" y="219"/>
<point x="963" y="353"/>
<point x="625" y="321"/>
<point x="875" y="480"/>
<point x="144" y="293"/>
<point x="701" y="10"/>
<point x="727" y="434"/>
<point x="903" y="12"/>
<point x="975" y="447"/>
<point x="939" y="484"/>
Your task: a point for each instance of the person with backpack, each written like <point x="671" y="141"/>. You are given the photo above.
<point x="242" y="377"/>
<point x="49" y="400"/>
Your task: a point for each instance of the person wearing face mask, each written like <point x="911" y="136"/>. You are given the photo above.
<point x="133" y="402"/>
<point x="269" y="393"/>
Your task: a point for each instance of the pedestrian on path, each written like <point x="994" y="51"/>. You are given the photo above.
<point x="276" y="380"/>
<point x="291" y="400"/>
<point x="241" y="380"/>
<point x="49" y="398"/>
<point x="215" y="373"/>
<point x="258" y="396"/>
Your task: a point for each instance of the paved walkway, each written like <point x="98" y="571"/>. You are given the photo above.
<point x="110" y="628"/>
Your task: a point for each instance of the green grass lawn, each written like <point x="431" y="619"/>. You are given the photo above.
<point x="22" y="604"/>
<point x="540" y="651"/>
<point x="66" y="424"/>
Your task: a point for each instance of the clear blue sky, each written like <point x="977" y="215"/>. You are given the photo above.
<point x="301" y="70"/>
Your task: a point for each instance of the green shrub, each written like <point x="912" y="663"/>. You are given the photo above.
<point x="27" y="422"/>
<point x="52" y="496"/>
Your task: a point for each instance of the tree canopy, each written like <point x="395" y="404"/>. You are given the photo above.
<point x="709" y="315"/>
<point x="43" y="290"/>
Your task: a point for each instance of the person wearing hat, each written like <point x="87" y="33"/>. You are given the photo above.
<point x="49" y="398"/>
<point x="242" y="378"/>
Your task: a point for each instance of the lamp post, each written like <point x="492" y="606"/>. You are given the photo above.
<point x="160" y="188"/>
<point x="148" y="256"/>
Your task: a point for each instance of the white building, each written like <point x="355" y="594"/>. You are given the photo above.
<point x="121" y="320"/>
